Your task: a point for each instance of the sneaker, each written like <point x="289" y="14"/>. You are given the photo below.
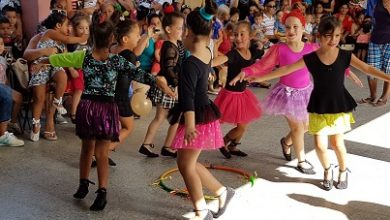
<point x="60" y="119"/>
<point x="14" y="128"/>
<point x="9" y="139"/>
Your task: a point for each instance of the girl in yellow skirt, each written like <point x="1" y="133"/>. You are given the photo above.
<point x="330" y="106"/>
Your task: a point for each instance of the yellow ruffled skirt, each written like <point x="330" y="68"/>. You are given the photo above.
<point x="330" y="124"/>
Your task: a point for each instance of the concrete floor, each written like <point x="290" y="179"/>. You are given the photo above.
<point x="37" y="181"/>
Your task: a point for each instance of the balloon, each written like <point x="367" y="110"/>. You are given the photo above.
<point x="140" y="104"/>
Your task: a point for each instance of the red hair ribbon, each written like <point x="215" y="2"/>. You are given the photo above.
<point x="295" y="13"/>
<point x="169" y="9"/>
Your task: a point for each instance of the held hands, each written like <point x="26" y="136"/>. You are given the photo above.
<point x="163" y="85"/>
<point x="241" y="77"/>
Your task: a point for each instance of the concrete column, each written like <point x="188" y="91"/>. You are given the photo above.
<point x="34" y="11"/>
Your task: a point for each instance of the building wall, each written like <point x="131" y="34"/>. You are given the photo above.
<point x="34" y="11"/>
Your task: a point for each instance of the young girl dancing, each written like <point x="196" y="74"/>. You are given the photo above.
<point x="55" y="37"/>
<point x="237" y="104"/>
<point x="172" y="55"/>
<point x="289" y="97"/>
<point x="199" y="127"/>
<point x="97" y="114"/>
<point x="127" y="35"/>
<point x="330" y="106"/>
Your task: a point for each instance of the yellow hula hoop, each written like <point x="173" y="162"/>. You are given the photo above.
<point x="184" y="193"/>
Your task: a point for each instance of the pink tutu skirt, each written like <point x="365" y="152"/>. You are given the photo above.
<point x="238" y="107"/>
<point x="209" y="137"/>
<point x="288" y="101"/>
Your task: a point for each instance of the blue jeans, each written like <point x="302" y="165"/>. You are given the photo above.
<point x="5" y="103"/>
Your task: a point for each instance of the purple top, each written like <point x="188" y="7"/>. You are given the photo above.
<point x="381" y="32"/>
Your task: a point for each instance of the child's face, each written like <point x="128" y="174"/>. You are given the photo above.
<point x="309" y="19"/>
<point x="253" y="9"/>
<point x="64" y="27"/>
<point x="186" y="12"/>
<point x="5" y="29"/>
<point x="242" y="37"/>
<point x="234" y="18"/>
<point x="319" y="9"/>
<point x="61" y="4"/>
<point x="108" y="10"/>
<point x="131" y="39"/>
<point x="279" y="16"/>
<point x="155" y="22"/>
<point x="331" y="40"/>
<point x="11" y="15"/>
<point x="258" y="20"/>
<point x="1" y="45"/>
<point x="82" y="28"/>
<point x="225" y="17"/>
<point x="175" y="31"/>
<point x="294" y="29"/>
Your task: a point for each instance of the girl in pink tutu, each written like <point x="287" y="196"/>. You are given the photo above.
<point x="198" y="117"/>
<point x="237" y="104"/>
<point x="290" y="96"/>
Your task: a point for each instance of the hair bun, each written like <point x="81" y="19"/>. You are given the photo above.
<point x="295" y="13"/>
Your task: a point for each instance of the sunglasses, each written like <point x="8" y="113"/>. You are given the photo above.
<point x="271" y="6"/>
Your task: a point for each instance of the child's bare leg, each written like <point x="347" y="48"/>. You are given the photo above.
<point x="127" y="127"/>
<point x="39" y="95"/>
<point x="159" y="118"/>
<point x="187" y="164"/>
<point x="76" y="96"/>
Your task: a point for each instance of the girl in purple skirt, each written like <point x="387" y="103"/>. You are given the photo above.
<point x="198" y="116"/>
<point x="97" y="116"/>
<point x="289" y="97"/>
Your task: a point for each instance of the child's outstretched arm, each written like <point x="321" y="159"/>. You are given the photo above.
<point x="282" y="71"/>
<point x="55" y="35"/>
<point x="367" y="69"/>
<point x="352" y="76"/>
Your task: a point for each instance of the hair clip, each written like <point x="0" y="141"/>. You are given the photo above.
<point x="117" y="7"/>
<point x="206" y="16"/>
<point x="59" y="11"/>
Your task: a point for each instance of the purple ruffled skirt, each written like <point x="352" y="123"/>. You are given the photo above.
<point x="97" y="120"/>
<point x="288" y="101"/>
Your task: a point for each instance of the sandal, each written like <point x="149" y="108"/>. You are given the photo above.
<point x="36" y="123"/>
<point x="366" y="100"/>
<point x="328" y="184"/>
<point x="50" y="135"/>
<point x="286" y="155"/>
<point x="380" y="102"/>
<point x="58" y="104"/>
<point x="343" y="184"/>
<point x="309" y="171"/>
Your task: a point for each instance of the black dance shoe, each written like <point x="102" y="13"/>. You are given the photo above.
<point x="82" y="191"/>
<point x="100" y="201"/>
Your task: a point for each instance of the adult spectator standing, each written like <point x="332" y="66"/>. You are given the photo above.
<point x="379" y="51"/>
